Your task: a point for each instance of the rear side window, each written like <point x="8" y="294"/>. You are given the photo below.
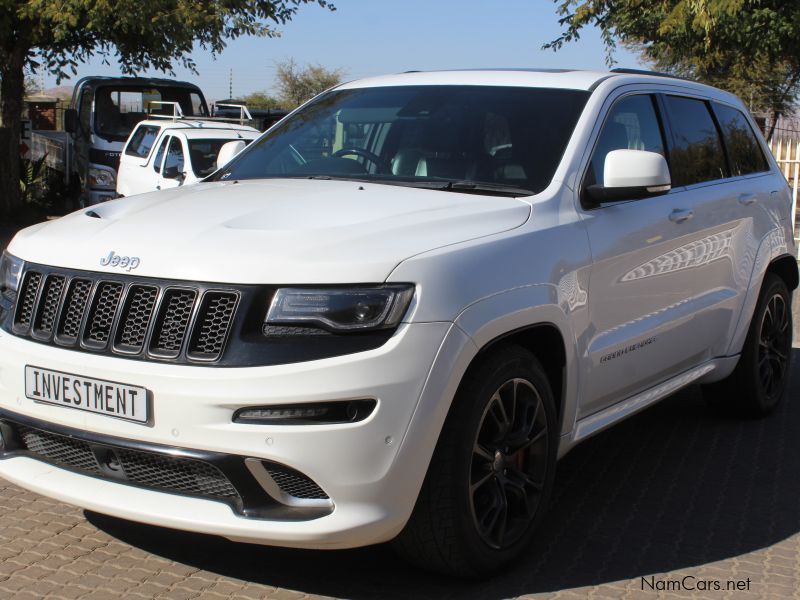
<point x="142" y="141"/>
<point x="744" y="150"/>
<point x="632" y="124"/>
<point x="696" y="155"/>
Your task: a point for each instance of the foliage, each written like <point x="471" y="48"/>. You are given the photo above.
<point x="261" y="100"/>
<point x="67" y="32"/>
<point x="297" y="85"/>
<point x="749" y="47"/>
<point x="32" y="175"/>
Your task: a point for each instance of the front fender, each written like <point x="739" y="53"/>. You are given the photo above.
<point x="521" y="308"/>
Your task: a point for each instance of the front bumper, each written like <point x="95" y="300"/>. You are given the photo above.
<point x="371" y="470"/>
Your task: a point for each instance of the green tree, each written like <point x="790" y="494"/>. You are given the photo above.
<point x="56" y="35"/>
<point x="749" y="47"/>
<point x="261" y="100"/>
<point x="296" y="84"/>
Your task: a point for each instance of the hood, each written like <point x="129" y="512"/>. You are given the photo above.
<point x="269" y="231"/>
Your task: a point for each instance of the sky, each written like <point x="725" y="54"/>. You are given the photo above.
<point x="373" y="37"/>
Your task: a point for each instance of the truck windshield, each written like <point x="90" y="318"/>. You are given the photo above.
<point x="421" y="135"/>
<point x="118" y="109"/>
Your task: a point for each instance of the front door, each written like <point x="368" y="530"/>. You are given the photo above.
<point x="173" y="170"/>
<point x="134" y="177"/>
<point x="659" y="292"/>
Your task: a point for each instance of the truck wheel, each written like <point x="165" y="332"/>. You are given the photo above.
<point x="759" y="381"/>
<point x="492" y="472"/>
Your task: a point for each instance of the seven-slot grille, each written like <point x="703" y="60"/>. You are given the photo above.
<point x="130" y="318"/>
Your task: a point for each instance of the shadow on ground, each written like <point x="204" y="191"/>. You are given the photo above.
<point x="674" y="487"/>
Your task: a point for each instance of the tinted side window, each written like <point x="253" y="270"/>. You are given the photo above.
<point x="632" y="124"/>
<point x="160" y="154"/>
<point x="142" y="141"/>
<point x="743" y="149"/>
<point x="697" y="154"/>
<point x="173" y="165"/>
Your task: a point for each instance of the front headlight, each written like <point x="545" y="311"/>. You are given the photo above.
<point x="338" y="309"/>
<point x="102" y="178"/>
<point x="10" y="272"/>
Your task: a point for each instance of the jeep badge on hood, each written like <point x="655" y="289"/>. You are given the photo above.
<point x="129" y="263"/>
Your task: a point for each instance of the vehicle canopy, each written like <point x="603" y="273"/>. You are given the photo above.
<point x="120" y="103"/>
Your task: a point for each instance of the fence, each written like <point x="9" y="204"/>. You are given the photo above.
<point x="786" y="151"/>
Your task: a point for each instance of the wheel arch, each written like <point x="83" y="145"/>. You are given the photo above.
<point x="785" y="267"/>
<point x="546" y="343"/>
<point x="532" y="318"/>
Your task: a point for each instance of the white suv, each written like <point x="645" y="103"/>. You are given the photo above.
<point x="388" y="317"/>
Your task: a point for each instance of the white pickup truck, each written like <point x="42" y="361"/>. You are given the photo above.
<point x="162" y="154"/>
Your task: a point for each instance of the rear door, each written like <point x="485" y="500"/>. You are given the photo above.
<point x="729" y="209"/>
<point x="660" y="290"/>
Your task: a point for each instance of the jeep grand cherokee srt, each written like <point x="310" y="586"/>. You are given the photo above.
<point x="391" y="314"/>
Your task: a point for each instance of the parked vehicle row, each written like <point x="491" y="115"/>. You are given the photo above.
<point x="389" y="316"/>
<point x="102" y="115"/>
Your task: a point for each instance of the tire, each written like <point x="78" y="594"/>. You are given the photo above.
<point x="491" y="474"/>
<point x="758" y="383"/>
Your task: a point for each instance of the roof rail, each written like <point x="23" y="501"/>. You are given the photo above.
<point x="244" y="113"/>
<point x="177" y="112"/>
<point x="624" y="71"/>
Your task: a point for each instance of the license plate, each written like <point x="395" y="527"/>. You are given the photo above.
<point x="109" y="398"/>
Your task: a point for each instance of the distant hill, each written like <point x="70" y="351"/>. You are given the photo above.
<point x="63" y="91"/>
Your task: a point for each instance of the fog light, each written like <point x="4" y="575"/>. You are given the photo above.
<point x="348" y="411"/>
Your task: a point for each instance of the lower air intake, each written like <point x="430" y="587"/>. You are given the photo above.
<point x="293" y="483"/>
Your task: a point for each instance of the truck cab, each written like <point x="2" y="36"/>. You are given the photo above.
<point x="165" y="154"/>
<point x="102" y="114"/>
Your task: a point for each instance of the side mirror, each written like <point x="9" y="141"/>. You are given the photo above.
<point x="228" y="151"/>
<point x="630" y="175"/>
<point x="71" y="121"/>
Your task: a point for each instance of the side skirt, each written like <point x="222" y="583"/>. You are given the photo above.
<point x="712" y="370"/>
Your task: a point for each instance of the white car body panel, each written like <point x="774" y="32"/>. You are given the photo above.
<point x="283" y="231"/>
<point x="604" y="279"/>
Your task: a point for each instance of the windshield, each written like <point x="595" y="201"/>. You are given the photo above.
<point x="499" y="136"/>
<point x="203" y="154"/>
<point x="118" y="109"/>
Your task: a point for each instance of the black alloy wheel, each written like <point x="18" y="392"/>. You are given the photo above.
<point x="758" y="383"/>
<point x="774" y="345"/>
<point x="490" y="477"/>
<point x="509" y="463"/>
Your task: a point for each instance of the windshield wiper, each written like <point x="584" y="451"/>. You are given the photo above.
<point x="481" y="187"/>
<point x="463" y="186"/>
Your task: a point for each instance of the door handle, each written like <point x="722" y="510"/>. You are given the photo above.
<point x="747" y="199"/>
<point x="681" y="215"/>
